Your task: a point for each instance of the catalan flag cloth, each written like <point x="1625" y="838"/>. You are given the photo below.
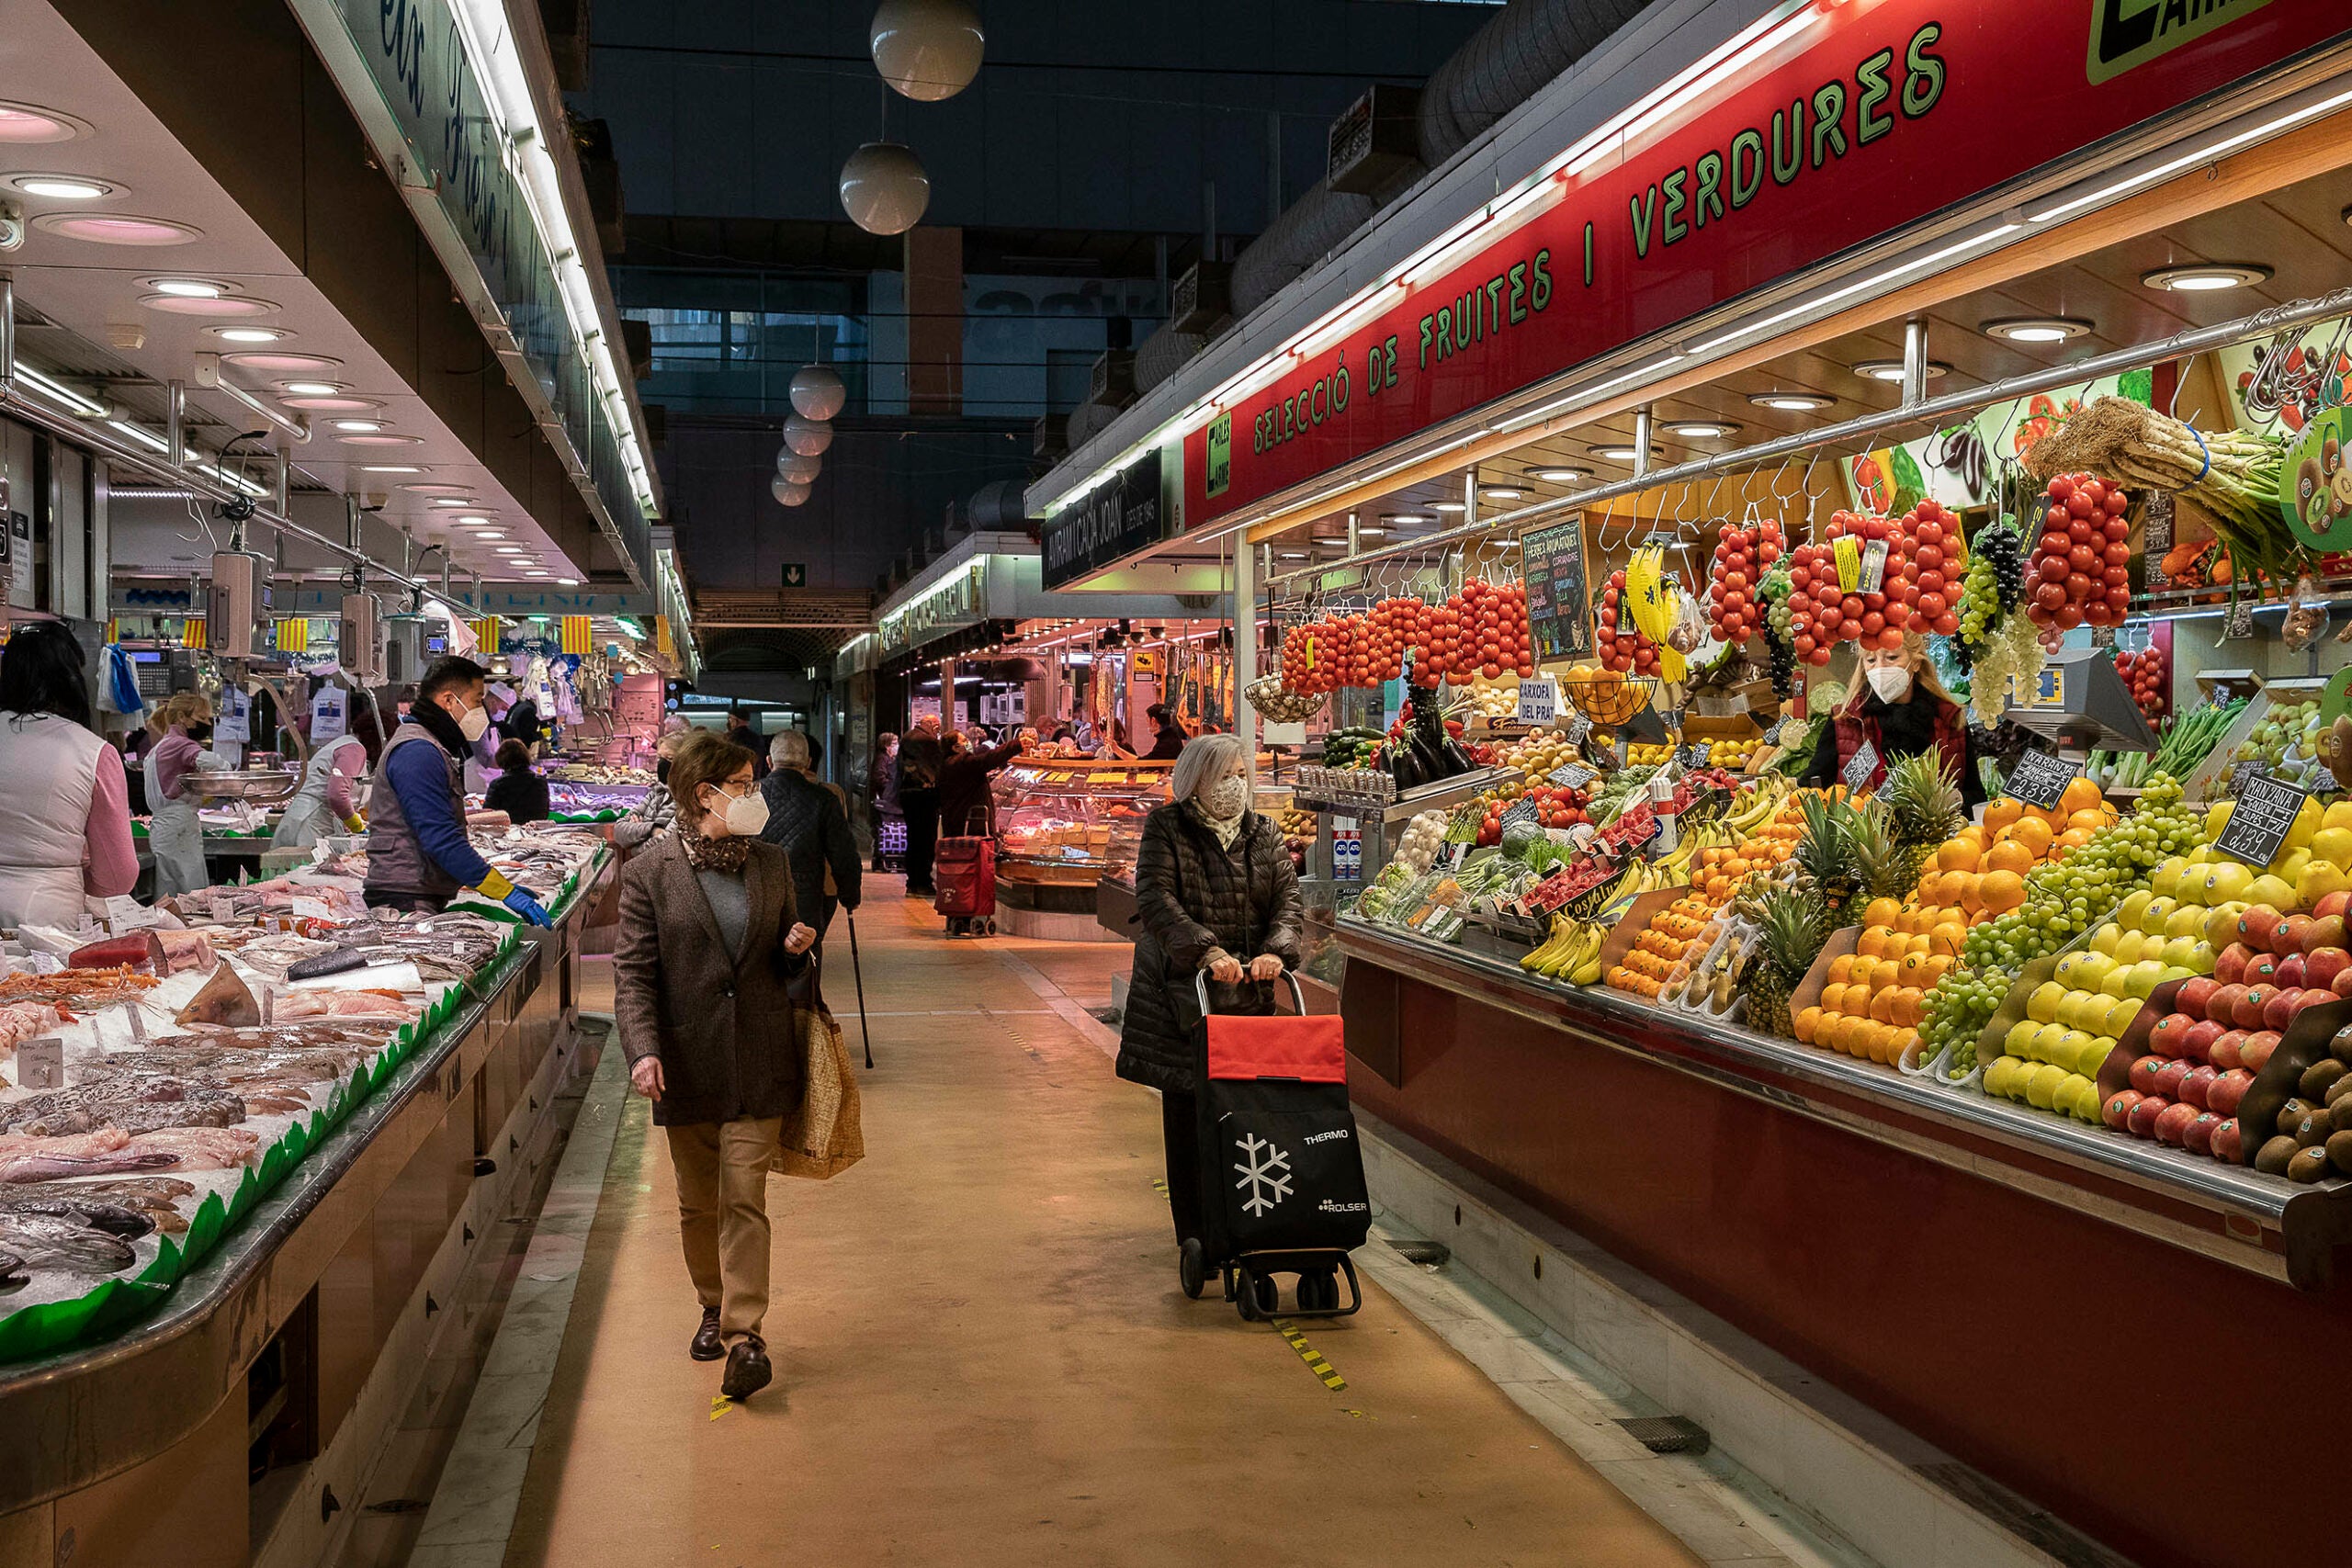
<point x="192" y="632"/>
<point x="486" y="633"/>
<point x="294" y="635"/>
<point x="578" y="634"/>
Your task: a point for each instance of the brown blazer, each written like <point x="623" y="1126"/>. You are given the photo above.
<point x="724" y="1029"/>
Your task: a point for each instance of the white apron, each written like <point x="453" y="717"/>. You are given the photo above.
<point x="306" y="815"/>
<point x="175" y="838"/>
<point x="48" y="773"/>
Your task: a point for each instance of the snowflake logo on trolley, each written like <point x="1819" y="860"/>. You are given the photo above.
<point x="1265" y="1174"/>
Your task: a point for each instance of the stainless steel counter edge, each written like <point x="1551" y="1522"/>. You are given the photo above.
<point x="71" y="1420"/>
<point x="2307" y="1223"/>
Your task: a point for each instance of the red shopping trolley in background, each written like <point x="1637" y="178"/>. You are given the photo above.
<point x="962" y="876"/>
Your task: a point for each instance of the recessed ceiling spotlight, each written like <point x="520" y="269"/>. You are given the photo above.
<point x="1620" y="453"/>
<point x="1366" y="531"/>
<point x="62" y="188"/>
<point x="454" y="500"/>
<point x="311" y="389"/>
<point x="249" y="334"/>
<point x="1791" y="402"/>
<point x="2037" y="329"/>
<point x="1405" y="517"/>
<point x="474" y="522"/>
<point x="1892" y="370"/>
<point x="357" y="426"/>
<point x="2206" y="278"/>
<point x="1290" y="555"/>
<point x="117" y="229"/>
<point x="1559" y="476"/>
<point x="534" y="572"/>
<point x="1448" y="506"/>
<point x="386" y="469"/>
<point x="439" y="488"/>
<point x="188" y="288"/>
<point x="24" y="125"/>
<point x="207" y="304"/>
<point x="568" y="581"/>
<point x="1500" y="492"/>
<point x="1701" y="429"/>
<point x="490" y="532"/>
<point x="507" y="549"/>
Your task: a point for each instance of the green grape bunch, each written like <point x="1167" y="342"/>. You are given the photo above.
<point x="2065" y="898"/>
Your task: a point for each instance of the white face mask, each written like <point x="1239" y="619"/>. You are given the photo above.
<point x="1891" y="681"/>
<point x="474" y="724"/>
<point x="743" y="818"/>
<point x="1228" y="798"/>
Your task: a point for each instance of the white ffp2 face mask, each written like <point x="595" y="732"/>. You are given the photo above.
<point x="746" y="816"/>
<point x="1891" y="681"/>
<point x="474" y="724"/>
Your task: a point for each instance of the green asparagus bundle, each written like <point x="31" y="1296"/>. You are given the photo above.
<point x="2189" y="738"/>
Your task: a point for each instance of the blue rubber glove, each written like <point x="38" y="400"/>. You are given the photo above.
<point x="523" y="904"/>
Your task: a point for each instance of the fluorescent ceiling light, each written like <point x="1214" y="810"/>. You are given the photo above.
<point x="1405" y="517"/>
<point x="1701" y="429"/>
<point x="188" y="288"/>
<point x="62" y="188"/>
<point x="2203" y="154"/>
<point x="1290" y="555"/>
<point x="311" y="389"/>
<point x="59" y="392"/>
<point x="388" y="469"/>
<point x="535" y="573"/>
<point x="142" y="435"/>
<point x="470" y="521"/>
<point x="1892" y="370"/>
<point x="248" y="334"/>
<point x="572" y="583"/>
<point x="1623" y="453"/>
<point x="1791" y="402"/>
<point x="2036" y="329"/>
<point x="1448" y="506"/>
<point x="508" y="549"/>
<point x="1559" y="476"/>
<point x="2207" y="278"/>
<point x="1365" y="531"/>
<point x="357" y="426"/>
<point x="453" y="500"/>
<point x="1500" y="492"/>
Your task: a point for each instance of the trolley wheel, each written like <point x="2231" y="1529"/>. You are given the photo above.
<point x="1191" y="1267"/>
<point x="988" y="926"/>
<point x="1225" y="1274"/>
<point x="1245" y="1298"/>
<point x="1318" y="1291"/>
<point x="1269" y="1292"/>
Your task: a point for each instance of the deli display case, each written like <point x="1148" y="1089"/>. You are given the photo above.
<point x="1065" y="824"/>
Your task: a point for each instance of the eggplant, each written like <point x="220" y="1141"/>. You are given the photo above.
<point x="1406" y="771"/>
<point x="1457" y="758"/>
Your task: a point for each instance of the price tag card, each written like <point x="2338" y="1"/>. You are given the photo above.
<point x="311" y="909"/>
<point x="2240" y="774"/>
<point x="1577" y="729"/>
<point x="2322" y="780"/>
<point x="1874" y="575"/>
<point x="1772" y="735"/>
<point x="2040" y="779"/>
<point x="1539" y="699"/>
<point x="1861" y="768"/>
<point x="2260" y="821"/>
<point x="1849" y="553"/>
<point x="1521" y="811"/>
<point x="1572" y="775"/>
<point x="41" y="1064"/>
<point x="1693" y="755"/>
<point x="2239" y="621"/>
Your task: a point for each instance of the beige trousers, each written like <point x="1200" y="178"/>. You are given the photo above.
<point x="723" y="1215"/>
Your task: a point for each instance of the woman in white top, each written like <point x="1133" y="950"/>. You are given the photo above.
<point x="65" y="804"/>
<point x="175" y="833"/>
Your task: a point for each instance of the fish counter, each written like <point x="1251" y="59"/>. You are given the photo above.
<point x="213" y="1128"/>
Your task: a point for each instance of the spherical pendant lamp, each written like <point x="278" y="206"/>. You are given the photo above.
<point x="927" y="50"/>
<point x="883" y="188"/>
<point x="786" y="492"/>
<point x="818" y="392"/>
<point x="800" y="470"/>
<point x="807" y="438"/>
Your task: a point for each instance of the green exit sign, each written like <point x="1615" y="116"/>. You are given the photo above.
<point x="795" y="574"/>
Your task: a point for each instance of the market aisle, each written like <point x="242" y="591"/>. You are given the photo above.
<point x="983" y="1357"/>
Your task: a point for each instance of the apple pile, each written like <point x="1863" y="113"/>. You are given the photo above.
<point x="1743" y="555"/>
<point x="2081" y="569"/>
<point x="1619" y="643"/>
<point x="2149" y="679"/>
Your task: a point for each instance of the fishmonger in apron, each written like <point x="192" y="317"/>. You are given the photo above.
<point x="310" y="813"/>
<point x="174" y="836"/>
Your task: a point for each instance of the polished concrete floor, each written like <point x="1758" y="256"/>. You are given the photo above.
<point x="983" y="1357"/>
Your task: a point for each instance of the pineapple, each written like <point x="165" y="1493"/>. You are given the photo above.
<point x="1923" y="801"/>
<point x="1884" y="866"/>
<point x="1824" y="857"/>
<point x="1792" y="924"/>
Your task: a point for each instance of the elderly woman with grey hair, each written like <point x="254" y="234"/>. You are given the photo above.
<point x="1216" y="895"/>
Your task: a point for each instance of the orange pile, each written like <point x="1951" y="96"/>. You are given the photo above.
<point x="1661" y="946"/>
<point x="1718" y="870"/>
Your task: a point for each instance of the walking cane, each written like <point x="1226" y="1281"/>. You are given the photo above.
<point x="857" y="973"/>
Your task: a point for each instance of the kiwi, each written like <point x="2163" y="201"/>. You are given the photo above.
<point x="2338" y="1089"/>
<point x="2309" y="1165"/>
<point x="2340" y="1114"/>
<point x="2313" y="1129"/>
<point x="2293" y="1111"/>
<point x="2339" y="1151"/>
<point x="2321" y="1076"/>
<point x="2341" y="1047"/>
<point x="2275" y="1155"/>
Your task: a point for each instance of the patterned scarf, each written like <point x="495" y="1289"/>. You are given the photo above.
<point x="1226" y="828"/>
<point x="703" y="853"/>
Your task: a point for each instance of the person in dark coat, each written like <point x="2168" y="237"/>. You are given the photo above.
<point x="882" y="785"/>
<point x="806" y="822"/>
<point x="1169" y="742"/>
<point x="1216" y="895"/>
<point x="920" y="757"/>
<point x="521" y="722"/>
<point x="966" y="792"/>
<point x="710" y="942"/>
<point x="517" y="790"/>
<point x="740" y="733"/>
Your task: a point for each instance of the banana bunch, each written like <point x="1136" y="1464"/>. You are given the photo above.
<point x="1571" y="953"/>
<point x="1765" y="797"/>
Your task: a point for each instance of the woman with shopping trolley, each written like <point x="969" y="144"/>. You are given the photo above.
<point x="1218" y="896"/>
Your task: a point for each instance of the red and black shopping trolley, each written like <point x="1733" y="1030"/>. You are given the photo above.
<point x="1282" y="1172"/>
<point x="963" y="877"/>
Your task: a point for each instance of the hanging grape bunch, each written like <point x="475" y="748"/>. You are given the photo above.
<point x="1743" y="555"/>
<point x="1619" y="643"/>
<point x="2081" y="567"/>
<point x="1774" y="592"/>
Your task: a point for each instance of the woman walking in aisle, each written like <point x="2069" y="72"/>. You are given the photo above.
<point x="709" y="943"/>
<point x="1218" y="896"/>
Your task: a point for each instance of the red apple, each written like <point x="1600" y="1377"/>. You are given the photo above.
<point x="2286" y="936"/>
<point x="2198" y="1136"/>
<point x="2141" y="1073"/>
<point x="2195" y="993"/>
<point x="2229" y="1143"/>
<point x="2170" y="1076"/>
<point x="2280" y="1011"/>
<point x="2248" y="1012"/>
<point x="2342" y="984"/>
<point x="2229" y="964"/>
<point x="2227" y="1090"/>
<point x="2117" y="1111"/>
<point x="2323" y="964"/>
<point x="2255" y="925"/>
<point x="2141" y="1119"/>
<point x="2197" y="1044"/>
<point x="2257" y="1048"/>
<point x="2165" y="1038"/>
<point x="2309" y="999"/>
<point x="2324" y="930"/>
<point x="2338" y="903"/>
<point x="2223" y="1007"/>
<point x="2290" y="974"/>
<point x="2194" y="1086"/>
<point x="2223" y="1053"/>
<point x="2171" y="1125"/>
<point x="2262" y="969"/>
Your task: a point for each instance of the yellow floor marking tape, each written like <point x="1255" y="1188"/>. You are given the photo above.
<point x="720" y="1406"/>
<point x="1324" y="1371"/>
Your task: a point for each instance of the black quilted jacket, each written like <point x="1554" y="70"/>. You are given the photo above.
<point x="1194" y="895"/>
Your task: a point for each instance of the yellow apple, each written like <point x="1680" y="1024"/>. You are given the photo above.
<point x="2306" y="827"/>
<point x="2338" y="816"/>
<point x="2120" y="1015"/>
<point x="2227" y="881"/>
<point x="2221" y="923"/>
<point x="2334" y="844"/>
<point x="2042" y="1006"/>
<point x="2187" y="920"/>
<point x="2179" y="952"/>
<point x="2044" y="1044"/>
<point x="2216" y="818"/>
<point x="2105" y="939"/>
<point x="2157" y="915"/>
<point x="2271" y="890"/>
<point x="2128" y="913"/>
<point x="2144" y="977"/>
<point x="2119" y="983"/>
<point x="2319" y="879"/>
<point x="2018" y="1041"/>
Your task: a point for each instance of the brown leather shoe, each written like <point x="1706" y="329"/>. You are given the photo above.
<point x="706" y="1345"/>
<point x="747" y="1369"/>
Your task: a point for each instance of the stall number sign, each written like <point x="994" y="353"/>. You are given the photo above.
<point x="1539" y="699"/>
<point x="1861" y="767"/>
<point x="1572" y="775"/>
<point x="2264" y="814"/>
<point x="2040" y="779"/>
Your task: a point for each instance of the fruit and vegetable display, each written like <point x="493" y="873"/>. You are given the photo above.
<point x="1906" y="575"/>
<point x="1352" y="746"/>
<point x="1481" y="631"/>
<point x="2148" y="675"/>
<point x="1422" y="838"/>
<point x="2285" y="740"/>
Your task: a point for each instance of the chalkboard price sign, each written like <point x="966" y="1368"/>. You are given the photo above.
<point x="2260" y="821"/>
<point x="1572" y="775"/>
<point x="2041" y="779"/>
<point x="1860" y="767"/>
<point x="1576" y="728"/>
<point x="1693" y="755"/>
<point x="1520" y="811"/>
